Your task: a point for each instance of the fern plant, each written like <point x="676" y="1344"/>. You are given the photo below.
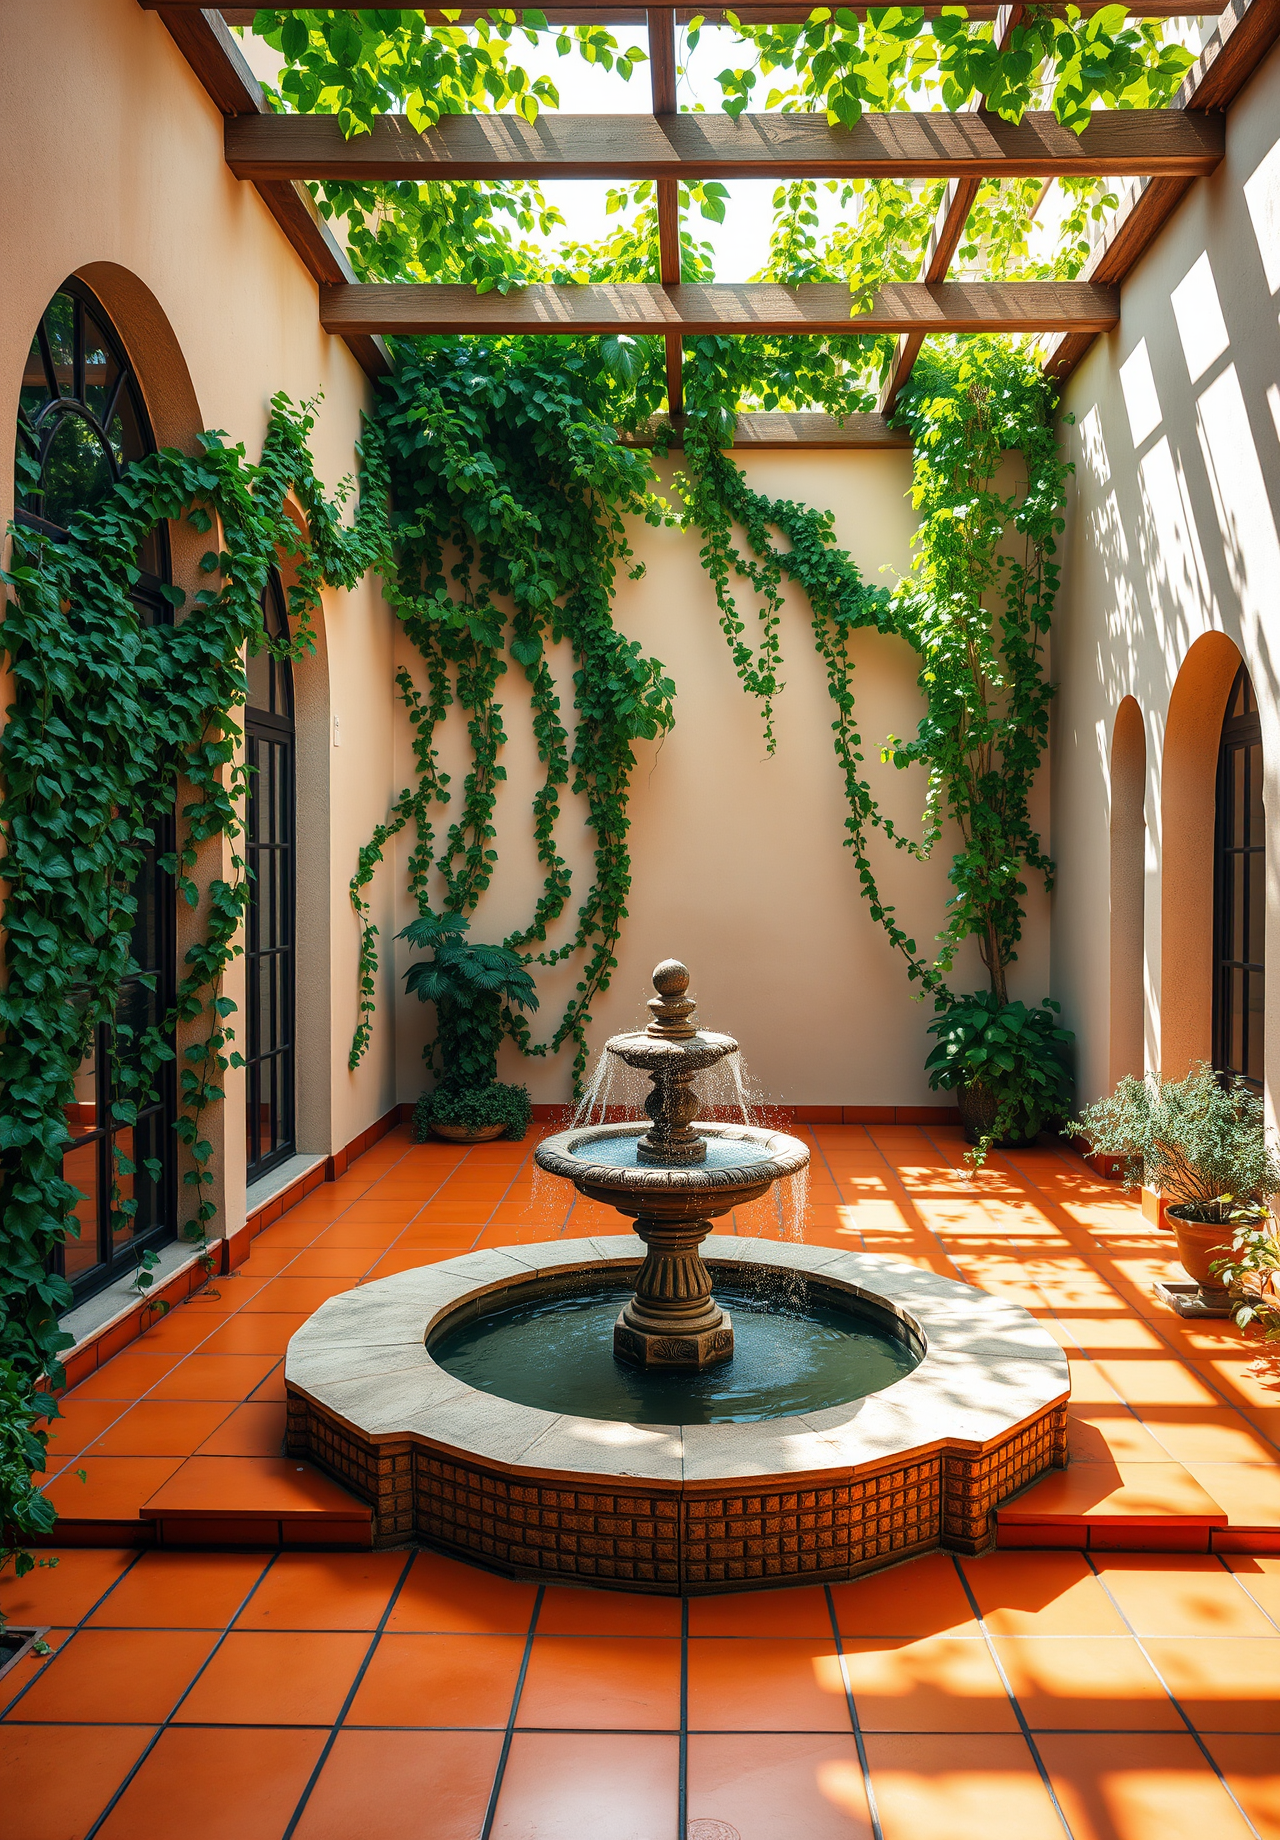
<point x="475" y="988"/>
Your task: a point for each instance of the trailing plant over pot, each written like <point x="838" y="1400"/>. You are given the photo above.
<point x="1203" y="1144"/>
<point x="476" y="989"/>
<point x="1007" y="1065"/>
<point x="1252" y="1275"/>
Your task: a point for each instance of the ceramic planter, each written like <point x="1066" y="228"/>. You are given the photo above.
<point x="978" y="1107"/>
<point x="1201" y="1243"/>
<point x="467" y="1134"/>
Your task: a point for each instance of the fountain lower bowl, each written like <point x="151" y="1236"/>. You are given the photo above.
<point x="820" y="1495"/>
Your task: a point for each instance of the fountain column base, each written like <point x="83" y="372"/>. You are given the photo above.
<point x="673" y="1320"/>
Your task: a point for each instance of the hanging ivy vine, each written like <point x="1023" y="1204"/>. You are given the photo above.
<point x="111" y="724"/>
<point x="511" y="492"/>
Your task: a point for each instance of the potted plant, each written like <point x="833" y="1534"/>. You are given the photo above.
<point x="1007" y="1065"/>
<point x="473" y="988"/>
<point x="1251" y="1275"/>
<point x="1202" y="1142"/>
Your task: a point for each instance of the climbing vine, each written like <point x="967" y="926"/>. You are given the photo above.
<point x="112" y="722"/>
<point x="511" y="490"/>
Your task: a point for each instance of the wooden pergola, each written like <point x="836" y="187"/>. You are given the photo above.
<point x="1162" y="151"/>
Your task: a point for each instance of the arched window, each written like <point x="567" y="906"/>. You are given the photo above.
<point x="271" y="933"/>
<point x="82" y="422"/>
<point x="1240" y="890"/>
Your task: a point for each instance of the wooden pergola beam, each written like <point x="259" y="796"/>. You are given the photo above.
<point x="625" y="14"/>
<point x="688" y="309"/>
<point x="670" y="147"/>
<point x="800" y="428"/>
<point x="1246" y="32"/>
<point x="662" y="77"/>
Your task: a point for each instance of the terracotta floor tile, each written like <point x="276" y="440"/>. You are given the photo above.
<point x="439" y="1680"/>
<point x="66" y="1592"/>
<point x="1223" y="1684"/>
<point x="382" y="1213"/>
<point x="126" y="1376"/>
<point x="19" y="1676"/>
<point x="292" y="1294"/>
<point x="257" y="1334"/>
<point x="253" y="1485"/>
<point x="265" y="1261"/>
<point x="181" y="1590"/>
<point x="272" y="1388"/>
<point x="937" y="1683"/>
<point x="132" y="1676"/>
<point x="79" y="1425"/>
<point x="1248" y="1379"/>
<point x="215" y="1376"/>
<point x="177" y="1332"/>
<point x="1153" y="1786"/>
<point x="232" y="1785"/>
<point x="1111" y="1434"/>
<point x="1085" y="1683"/>
<point x="250" y="1430"/>
<point x="443" y="1595"/>
<point x="567" y="1611"/>
<point x="41" y="1798"/>
<point x="1249" y="1493"/>
<point x="1261" y="1579"/>
<point x="159" y="1428"/>
<point x="324" y="1591"/>
<point x="602" y="1683"/>
<point x="1251" y="1766"/>
<point x="1176" y="1594"/>
<point x="276" y="1677"/>
<point x="1204" y="1436"/>
<point x="769" y="1788"/>
<point x="332" y="1262"/>
<point x="924" y="1597"/>
<point x="606" y="1785"/>
<point x="355" y="1235"/>
<point x="114" y="1488"/>
<point x="1141" y="1491"/>
<point x="383" y="1782"/>
<point x="770" y="1684"/>
<point x="959" y="1788"/>
<point x="225" y="1295"/>
<point x="412" y="1259"/>
<point x="1048" y="1594"/>
<point x="799" y="1612"/>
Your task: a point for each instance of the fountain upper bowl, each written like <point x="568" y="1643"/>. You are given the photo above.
<point x="743" y="1163"/>
<point x="651" y="1053"/>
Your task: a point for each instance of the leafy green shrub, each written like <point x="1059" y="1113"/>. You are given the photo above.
<point x="1015" y="1055"/>
<point x="1252" y="1275"/>
<point x="474" y="1107"/>
<point x="473" y="988"/>
<point x="1201" y="1142"/>
<point x="24" y="1511"/>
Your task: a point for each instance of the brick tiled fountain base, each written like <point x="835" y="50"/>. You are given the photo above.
<point x="688" y="1509"/>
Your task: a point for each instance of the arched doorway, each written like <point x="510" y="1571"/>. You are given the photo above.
<point x="1239" y="890"/>
<point x="271" y="930"/>
<point x="82" y="422"/>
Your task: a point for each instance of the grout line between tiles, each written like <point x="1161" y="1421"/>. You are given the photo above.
<point x="496" y="1787"/>
<point x="1018" y="1713"/>
<point x="867" y="1785"/>
<point x="75" y="1628"/>
<point x="682" y="1814"/>
<point x="168" y="1719"/>
<point x="347" y="1703"/>
<point x="1174" y="1701"/>
<point x="1255" y="1601"/>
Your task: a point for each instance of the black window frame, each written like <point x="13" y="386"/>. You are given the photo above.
<point x="1239" y="891"/>
<point x="270" y="741"/>
<point x="116" y="1254"/>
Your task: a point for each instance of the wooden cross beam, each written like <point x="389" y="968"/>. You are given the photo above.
<point x="669" y="147"/>
<point x="662" y="73"/>
<point x="688" y="309"/>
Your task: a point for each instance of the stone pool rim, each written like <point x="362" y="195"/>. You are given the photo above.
<point x="813" y="1497"/>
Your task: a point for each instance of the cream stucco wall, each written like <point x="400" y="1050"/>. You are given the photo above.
<point x="1172" y="538"/>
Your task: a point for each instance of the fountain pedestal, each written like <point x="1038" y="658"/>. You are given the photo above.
<point x="673" y="1320"/>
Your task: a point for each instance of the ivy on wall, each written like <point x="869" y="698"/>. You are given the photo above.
<point x="112" y="723"/>
<point x="511" y="492"/>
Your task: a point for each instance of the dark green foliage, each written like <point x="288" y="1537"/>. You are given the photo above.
<point x="511" y="491"/>
<point x="474" y="1108"/>
<point x="25" y="1514"/>
<point x="474" y="988"/>
<point x="1018" y="1057"/>
<point x="113" y="723"/>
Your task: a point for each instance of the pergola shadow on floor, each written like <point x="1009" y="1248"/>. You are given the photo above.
<point x="1126" y="1684"/>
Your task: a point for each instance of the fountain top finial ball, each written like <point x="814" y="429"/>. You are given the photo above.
<point x="671" y="978"/>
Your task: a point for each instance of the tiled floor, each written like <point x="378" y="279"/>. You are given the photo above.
<point x="250" y="1696"/>
<point x="1105" y="1694"/>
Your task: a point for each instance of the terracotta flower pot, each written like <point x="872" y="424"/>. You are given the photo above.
<point x="978" y="1108"/>
<point x="1201" y="1243"/>
<point x="467" y="1134"/>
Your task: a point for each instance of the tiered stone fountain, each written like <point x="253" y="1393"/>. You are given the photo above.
<point x="570" y="1409"/>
